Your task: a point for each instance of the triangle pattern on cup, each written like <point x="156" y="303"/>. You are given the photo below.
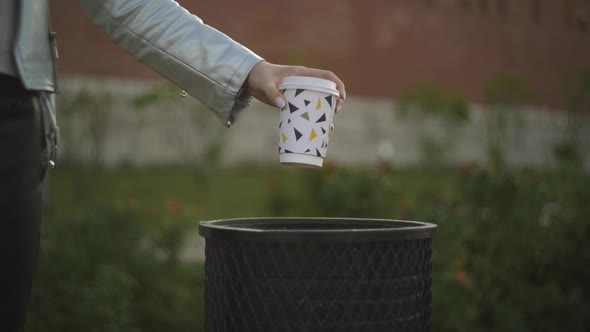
<point x="306" y="102"/>
<point x="305" y="116"/>
<point x="293" y="108"/>
<point x="297" y="134"/>
<point x="319" y="104"/>
<point x="298" y="91"/>
<point x="284" y="137"/>
<point x="312" y="135"/>
<point x="329" y="100"/>
<point x="322" y="118"/>
<point x="318" y="153"/>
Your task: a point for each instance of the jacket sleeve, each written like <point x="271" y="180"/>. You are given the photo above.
<point x="161" y="34"/>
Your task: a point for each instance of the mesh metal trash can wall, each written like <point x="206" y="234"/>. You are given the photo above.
<point x="303" y="274"/>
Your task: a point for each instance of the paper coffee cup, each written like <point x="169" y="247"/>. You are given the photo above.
<point x="306" y="120"/>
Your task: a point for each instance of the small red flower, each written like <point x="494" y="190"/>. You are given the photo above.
<point x="199" y="211"/>
<point x="174" y="207"/>
<point x="460" y="277"/>
<point x="467" y="169"/>
<point x="150" y="211"/>
<point x="383" y="168"/>
<point x="272" y="184"/>
<point x="330" y="165"/>
<point x="130" y="204"/>
<point x="406" y="203"/>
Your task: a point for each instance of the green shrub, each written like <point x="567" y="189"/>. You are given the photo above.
<point x="509" y="251"/>
<point x="510" y="255"/>
<point x="117" y="269"/>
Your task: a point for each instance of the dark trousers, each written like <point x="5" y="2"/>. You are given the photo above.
<point x="22" y="171"/>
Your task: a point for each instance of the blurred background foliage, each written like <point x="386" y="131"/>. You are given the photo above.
<point x="120" y="251"/>
<point x="509" y="253"/>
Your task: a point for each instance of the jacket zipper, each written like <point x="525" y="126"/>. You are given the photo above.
<point x="52" y="130"/>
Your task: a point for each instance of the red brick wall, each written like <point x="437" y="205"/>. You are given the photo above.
<point x="379" y="47"/>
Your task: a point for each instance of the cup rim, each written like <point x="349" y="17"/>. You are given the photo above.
<point x="309" y="83"/>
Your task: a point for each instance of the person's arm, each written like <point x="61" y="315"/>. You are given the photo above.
<point x="204" y="62"/>
<point x="161" y="34"/>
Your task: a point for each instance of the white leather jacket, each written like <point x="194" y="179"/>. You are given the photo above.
<point x="159" y="33"/>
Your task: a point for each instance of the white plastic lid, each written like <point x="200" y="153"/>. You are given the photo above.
<point x="309" y="83"/>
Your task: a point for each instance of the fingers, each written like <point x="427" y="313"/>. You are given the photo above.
<point x="339" y="104"/>
<point x="339" y="84"/>
<point x="325" y="74"/>
<point x="265" y="78"/>
<point x="328" y="75"/>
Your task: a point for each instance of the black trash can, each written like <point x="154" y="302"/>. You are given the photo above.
<point x="317" y="274"/>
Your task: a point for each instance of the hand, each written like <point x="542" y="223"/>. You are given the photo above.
<point x="264" y="79"/>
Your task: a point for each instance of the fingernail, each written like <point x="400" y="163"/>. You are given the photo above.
<point x="280" y="102"/>
<point x="344" y="94"/>
<point x="338" y="108"/>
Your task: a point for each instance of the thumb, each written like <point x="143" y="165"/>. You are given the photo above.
<point x="275" y="96"/>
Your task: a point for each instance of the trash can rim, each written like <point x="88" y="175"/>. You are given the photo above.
<point x="243" y="229"/>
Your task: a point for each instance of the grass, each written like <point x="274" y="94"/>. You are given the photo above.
<point x="217" y="194"/>
<point x="223" y="193"/>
